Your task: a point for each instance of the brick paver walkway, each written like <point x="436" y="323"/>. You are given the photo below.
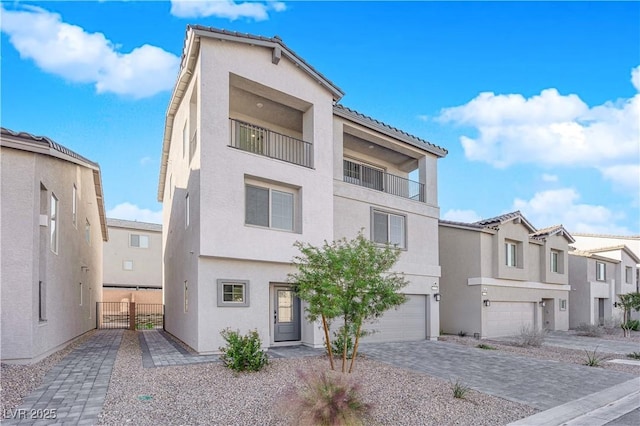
<point x="73" y="391"/>
<point x="538" y="383"/>
<point x="159" y="350"/>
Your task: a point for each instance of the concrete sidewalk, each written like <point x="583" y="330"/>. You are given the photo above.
<point x="597" y="409"/>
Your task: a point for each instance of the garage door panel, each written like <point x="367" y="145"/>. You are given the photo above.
<point x="407" y="322"/>
<point x="508" y="318"/>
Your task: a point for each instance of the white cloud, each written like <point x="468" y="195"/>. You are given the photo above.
<point x="550" y="129"/>
<point x="72" y="53"/>
<point x="561" y="206"/>
<point x="549" y="178"/>
<point x="144" y="161"/>
<point x="229" y="9"/>
<point x="130" y="211"/>
<point x="625" y="176"/>
<point x="467" y="216"/>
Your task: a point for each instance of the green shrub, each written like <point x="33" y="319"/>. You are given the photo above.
<point x="593" y="359"/>
<point x="329" y="398"/>
<point x="631" y="325"/>
<point x="459" y="389"/>
<point x="483" y="346"/>
<point x="243" y="352"/>
<point x="337" y="344"/>
<point x="634" y="355"/>
<point x="531" y="336"/>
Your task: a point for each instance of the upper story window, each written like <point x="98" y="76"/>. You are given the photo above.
<point x="389" y="228"/>
<point x="127" y="265"/>
<point x="269" y="207"/>
<point x="511" y="254"/>
<point x="140" y="241"/>
<point x="54" y="223"/>
<point x="554" y="260"/>
<point x="601" y="271"/>
<point x="363" y="174"/>
<point x="628" y="275"/>
<point x="74" y="206"/>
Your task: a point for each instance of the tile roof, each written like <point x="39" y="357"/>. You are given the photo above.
<point x="614" y="248"/>
<point x="133" y="224"/>
<point x="541" y="234"/>
<point x="464" y="224"/>
<point x="626" y="237"/>
<point x="590" y="255"/>
<point x="48" y="142"/>
<point x="499" y="219"/>
<point x="393" y="131"/>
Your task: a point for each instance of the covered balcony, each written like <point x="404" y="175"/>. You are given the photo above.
<point x="375" y="178"/>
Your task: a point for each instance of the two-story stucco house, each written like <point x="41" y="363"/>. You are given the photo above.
<point x="256" y="156"/>
<point x="132" y="262"/>
<point x="597" y="276"/>
<point x="502" y="274"/>
<point x="53" y="227"/>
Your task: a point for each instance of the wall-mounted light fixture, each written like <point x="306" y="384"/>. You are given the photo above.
<point x="484" y="291"/>
<point x="616" y="304"/>
<point x="486" y="302"/>
<point x="84" y="268"/>
<point x="542" y="303"/>
<point x="437" y="296"/>
<point x="434" y="287"/>
<point x="259" y="104"/>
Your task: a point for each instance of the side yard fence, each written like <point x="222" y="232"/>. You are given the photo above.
<point x="129" y="315"/>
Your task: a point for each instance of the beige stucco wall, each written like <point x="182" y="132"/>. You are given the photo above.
<point x="147" y="262"/>
<point x="27" y="257"/>
<point x="137" y="296"/>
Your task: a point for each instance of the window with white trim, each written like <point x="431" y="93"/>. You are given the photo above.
<point x="556" y="261"/>
<point x="139" y="241"/>
<point x="127" y="265"/>
<point x="53" y="223"/>
<point x="511" y="251"/>
<point x="388" y="228"/>
<point x="270" y="207"/>
<point x="601" y="271"/>
<point x="628" y="275"/>
<point x="563" y="304"/>
<point x="233" y="293"/>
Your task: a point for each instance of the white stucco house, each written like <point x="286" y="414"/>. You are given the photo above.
<point x="132" y="262"/>
<point x="257" y="155"/>
<point x="53" y="226"/>
<point x="502" y="274"/>
<point x="597" y="276"/>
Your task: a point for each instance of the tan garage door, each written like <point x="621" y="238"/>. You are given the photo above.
<point x="508" y="318"/>
<point x="408" y="322"/>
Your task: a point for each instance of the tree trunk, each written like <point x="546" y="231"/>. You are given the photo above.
<point x="345" y="346"/>
<point x="355" y="348"/>
<point x="328" y="342"/>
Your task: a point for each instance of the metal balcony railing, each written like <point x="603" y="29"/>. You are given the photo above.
<point x="251" y="138"/>
<point x="370" y="177"/>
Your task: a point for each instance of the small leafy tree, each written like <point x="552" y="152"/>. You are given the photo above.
<point x="628" y="302"/>
<point x="347" y="280"/>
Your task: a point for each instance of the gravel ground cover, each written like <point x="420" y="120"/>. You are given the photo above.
<point x="548" y="352"/>
<point x="614" y="333"/>
<point x="18" y="381"/>
<point x="212" y="394"/>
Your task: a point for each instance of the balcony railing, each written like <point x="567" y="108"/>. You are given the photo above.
<point x="377" y="179"/>
<point x="252" y="138"/>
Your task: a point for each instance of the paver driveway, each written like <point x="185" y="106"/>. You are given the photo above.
<point x="539" y="383"/>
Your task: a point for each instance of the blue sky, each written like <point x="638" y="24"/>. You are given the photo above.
<point x="537" y="103"/>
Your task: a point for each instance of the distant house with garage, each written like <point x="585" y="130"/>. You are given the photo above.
<point x="53" y="227"/>
<point x="597" y="277"/>
<point x="502" y="274"/>
<point x="132" y="262"/>
<point x="257" y="155"/>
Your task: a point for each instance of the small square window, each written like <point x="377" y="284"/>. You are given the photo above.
<point x="127" y="265"/>
<point x="563" y="304"/>
<point x="140" y="241"/>
<point x="233" y="293"/>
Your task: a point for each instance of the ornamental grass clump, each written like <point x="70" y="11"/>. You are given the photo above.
<point x="328" y="398"/>
<point x="243" y="353"/>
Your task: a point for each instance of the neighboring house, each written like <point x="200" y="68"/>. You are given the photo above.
<point x="596" y="241"/>
<point x="132" y="262"/>
<point x="53" y="227"/>
<point x="257" y="156"/>
<point x="597" y="276"/>
<point x="502" y="274"/>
